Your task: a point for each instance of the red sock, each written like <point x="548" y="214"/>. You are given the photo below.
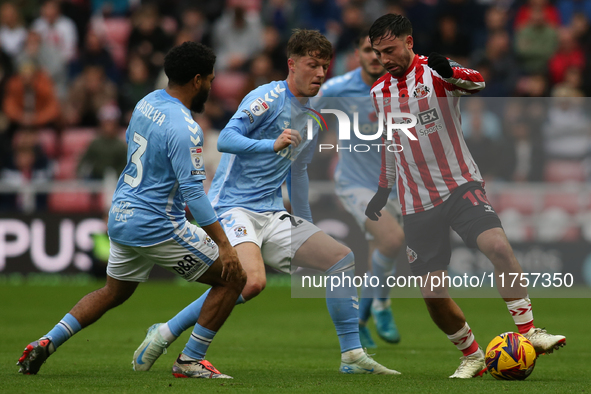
<point x="464" y="340"/>
<point x="522" y="314"/>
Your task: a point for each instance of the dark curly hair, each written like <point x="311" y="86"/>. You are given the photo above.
<point x="183" y="62"/>
<point x="390" y="25"/>
<point x="309" y="42"/>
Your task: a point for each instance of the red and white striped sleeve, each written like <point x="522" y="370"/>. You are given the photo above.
<point x="388" y="170"/>
<point x="464" y="80"/>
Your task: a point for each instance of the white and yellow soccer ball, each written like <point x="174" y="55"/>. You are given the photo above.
<point x="510" y="356"/>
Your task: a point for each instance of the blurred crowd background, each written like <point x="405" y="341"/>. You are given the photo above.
<point x="71" y="72"/>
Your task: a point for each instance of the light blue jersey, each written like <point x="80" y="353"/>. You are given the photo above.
<point x="250" y="173"/>
<point x="355" y="169"/>
<point x="164" y="170"/>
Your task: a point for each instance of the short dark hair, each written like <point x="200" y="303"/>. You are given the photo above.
<point x="390" y="25"/>
<point x="309" y="42"/>
<point x="183" y="62"/>
<point x="363" y="34"/>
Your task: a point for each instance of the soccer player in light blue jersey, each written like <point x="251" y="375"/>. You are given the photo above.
<point x="263" y="148"/>
<point x="355" y="187"/>
<point x="147" y="223"/>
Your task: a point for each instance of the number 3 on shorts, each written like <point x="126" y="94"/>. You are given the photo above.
<point x="136" y="159"/>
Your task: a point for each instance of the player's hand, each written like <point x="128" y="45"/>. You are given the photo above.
<point x="377" y="202"/>
<point x="440" y="64"/>
<point x="231" y="267"/>
<point x="287" y="138"/>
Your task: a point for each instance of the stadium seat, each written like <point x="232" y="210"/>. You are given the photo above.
<point x="556" y="225"/>
<point x="248" y="5"/>
<point x="567" y="201"/>
<point x="66" y="168"/>
<point x="117" y="32"/>
<point x="72" y="202"/>
<point x="516" y="225"/>
<point x="524" y="201"/>
<point x="48" y="141"/>
<point x="564" y="171"/>
<point x="75" y="141"/>
<point x="229" y="87"/>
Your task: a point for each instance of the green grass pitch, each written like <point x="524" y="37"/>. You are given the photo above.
<point x="272" y="344"/>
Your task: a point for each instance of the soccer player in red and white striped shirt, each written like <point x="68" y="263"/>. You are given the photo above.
<point x="439" y="184"/>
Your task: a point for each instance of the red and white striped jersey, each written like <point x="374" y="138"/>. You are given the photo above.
<point x="428" y="170"/>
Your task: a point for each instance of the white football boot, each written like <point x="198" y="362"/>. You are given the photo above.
<point x="472" y="366"/>
<point x="365" y="365"/>
<point x="543" y="342"/>
<point x="190" y="368"/>
<point x="151" y="348"/>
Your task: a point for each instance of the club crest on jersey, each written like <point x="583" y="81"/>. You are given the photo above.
<point x="412" y="255"/>
<point x="240" y="231"/>
<point x="197" y="157"/>
<point x="258" y="107"/>
<point x="209" y="242"/>
<point x="421" y="91"/>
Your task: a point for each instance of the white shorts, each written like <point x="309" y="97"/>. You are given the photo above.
<point x="278" y="234"/>
<point x="189" y="253"/>
<point x="355" y="201"/>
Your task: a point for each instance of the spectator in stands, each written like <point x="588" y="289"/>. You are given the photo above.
<point x="569" y="8"/>
<point x="498" y="62"/>
<point x="50" y="60"/>
<point x="111" y="8"/>
<point x="273" y="48"/>
<point x="525" y="14"/>
<point x="137" y="84"/>
<point x="280" y="15"/>
<point x="450" y="41"/>
<point x="353" y="22"/>
<point x="236" y="38"/>
<point x="469" y="15"/>
<point x="483" y="148"/>
<point x="95" y="52"/>
<point x="569" y="55"/>
<point x="26" y="163"/>
<point x="30" y="99"/>
<point x="521" y="157"/>
<point x="89" y="92"/>
<point x="260" y="72"/>
<point x="148" y="39"/>
<point x="57" y="31"/>
<point x="194" y="22"/>
<point x="536" y="42"/>
<point x="476" y="117"/>
<point x="321" y="15"/>
<point x="533" y="86"/>
<point x="12" y="31"/>
<point x="107" y="152"/>
<point x="495" y="19"/>
<point x="567" y="132"/>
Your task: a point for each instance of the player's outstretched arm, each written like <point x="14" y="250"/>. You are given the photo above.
<point x="463" y="80"/>
<point x="297" y="178"/>
<point x="233" y="139"/>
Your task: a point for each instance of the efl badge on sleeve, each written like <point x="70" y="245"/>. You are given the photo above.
<point x="258" y="107"/>
<point x="197" y="157"/>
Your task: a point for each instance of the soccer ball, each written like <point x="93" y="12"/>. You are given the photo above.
<point x="510" y="356"/>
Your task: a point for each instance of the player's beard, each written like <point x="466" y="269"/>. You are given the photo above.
<point x="402" y="66"/>
<point x="198" y="102"/>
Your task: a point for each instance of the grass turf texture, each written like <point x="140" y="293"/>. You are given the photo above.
<point x="272" y="344"/>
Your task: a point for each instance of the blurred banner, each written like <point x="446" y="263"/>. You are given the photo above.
<point x="56" y="243"/>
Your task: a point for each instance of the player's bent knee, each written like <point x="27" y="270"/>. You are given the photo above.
<point x="391" y="246"/>
<point x="252" y="288"/>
